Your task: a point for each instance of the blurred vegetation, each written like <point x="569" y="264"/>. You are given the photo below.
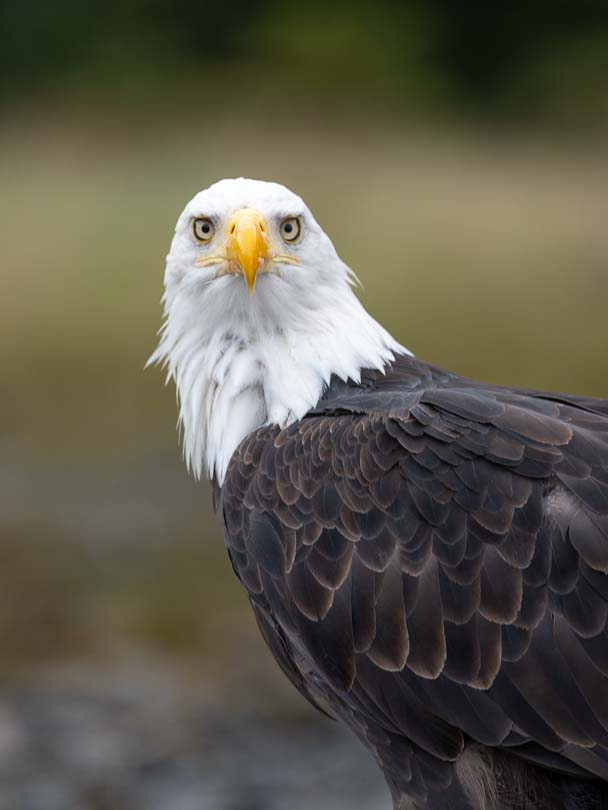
<point x="428" y="139"/>
<point x="545" y="60"/>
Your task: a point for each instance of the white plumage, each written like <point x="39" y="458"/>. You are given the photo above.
<point x="241" y="360"/>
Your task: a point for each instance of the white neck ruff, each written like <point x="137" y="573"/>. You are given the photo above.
<point x="268" y="362"/>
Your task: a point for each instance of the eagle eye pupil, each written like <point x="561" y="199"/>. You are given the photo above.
<point x="290" y="229"/>
<point x="203" y="229"/>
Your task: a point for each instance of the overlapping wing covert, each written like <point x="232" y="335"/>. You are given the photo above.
<point x="430" y="555"/>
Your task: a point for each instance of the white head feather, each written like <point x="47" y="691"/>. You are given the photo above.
<point x="240" y="360"/>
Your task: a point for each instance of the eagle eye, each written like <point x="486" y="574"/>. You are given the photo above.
<point x="290" y="229"/>
<point x="203" y="229"/>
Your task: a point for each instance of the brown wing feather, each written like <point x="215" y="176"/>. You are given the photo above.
<point x="434" y="553"/>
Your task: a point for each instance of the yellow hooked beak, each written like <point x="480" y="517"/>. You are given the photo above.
<point x="247" y="243"/>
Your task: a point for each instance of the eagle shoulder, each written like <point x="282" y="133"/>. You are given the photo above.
<point x="434" y="552"/>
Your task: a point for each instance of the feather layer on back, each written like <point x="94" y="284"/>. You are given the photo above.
<point x="428" y="555"/>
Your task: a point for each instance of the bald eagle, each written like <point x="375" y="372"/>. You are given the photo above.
<point x="426" y="555"/>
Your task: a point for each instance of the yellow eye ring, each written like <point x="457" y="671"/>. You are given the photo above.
<point x="290" y="229"/>
<point x="203" y="229"/>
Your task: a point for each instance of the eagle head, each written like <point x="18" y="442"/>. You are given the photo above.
<point x="259" y="313"/>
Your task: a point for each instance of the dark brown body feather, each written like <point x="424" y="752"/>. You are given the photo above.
<point x="428" y="555"/>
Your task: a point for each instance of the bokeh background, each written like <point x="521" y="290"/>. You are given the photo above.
<point x="456" y="153"/>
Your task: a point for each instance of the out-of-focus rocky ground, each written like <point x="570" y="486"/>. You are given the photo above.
<point x="139" y="736"/>
<point x="132" y="676"/>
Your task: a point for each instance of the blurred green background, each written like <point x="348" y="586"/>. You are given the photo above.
<point x="457" y="155"/>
